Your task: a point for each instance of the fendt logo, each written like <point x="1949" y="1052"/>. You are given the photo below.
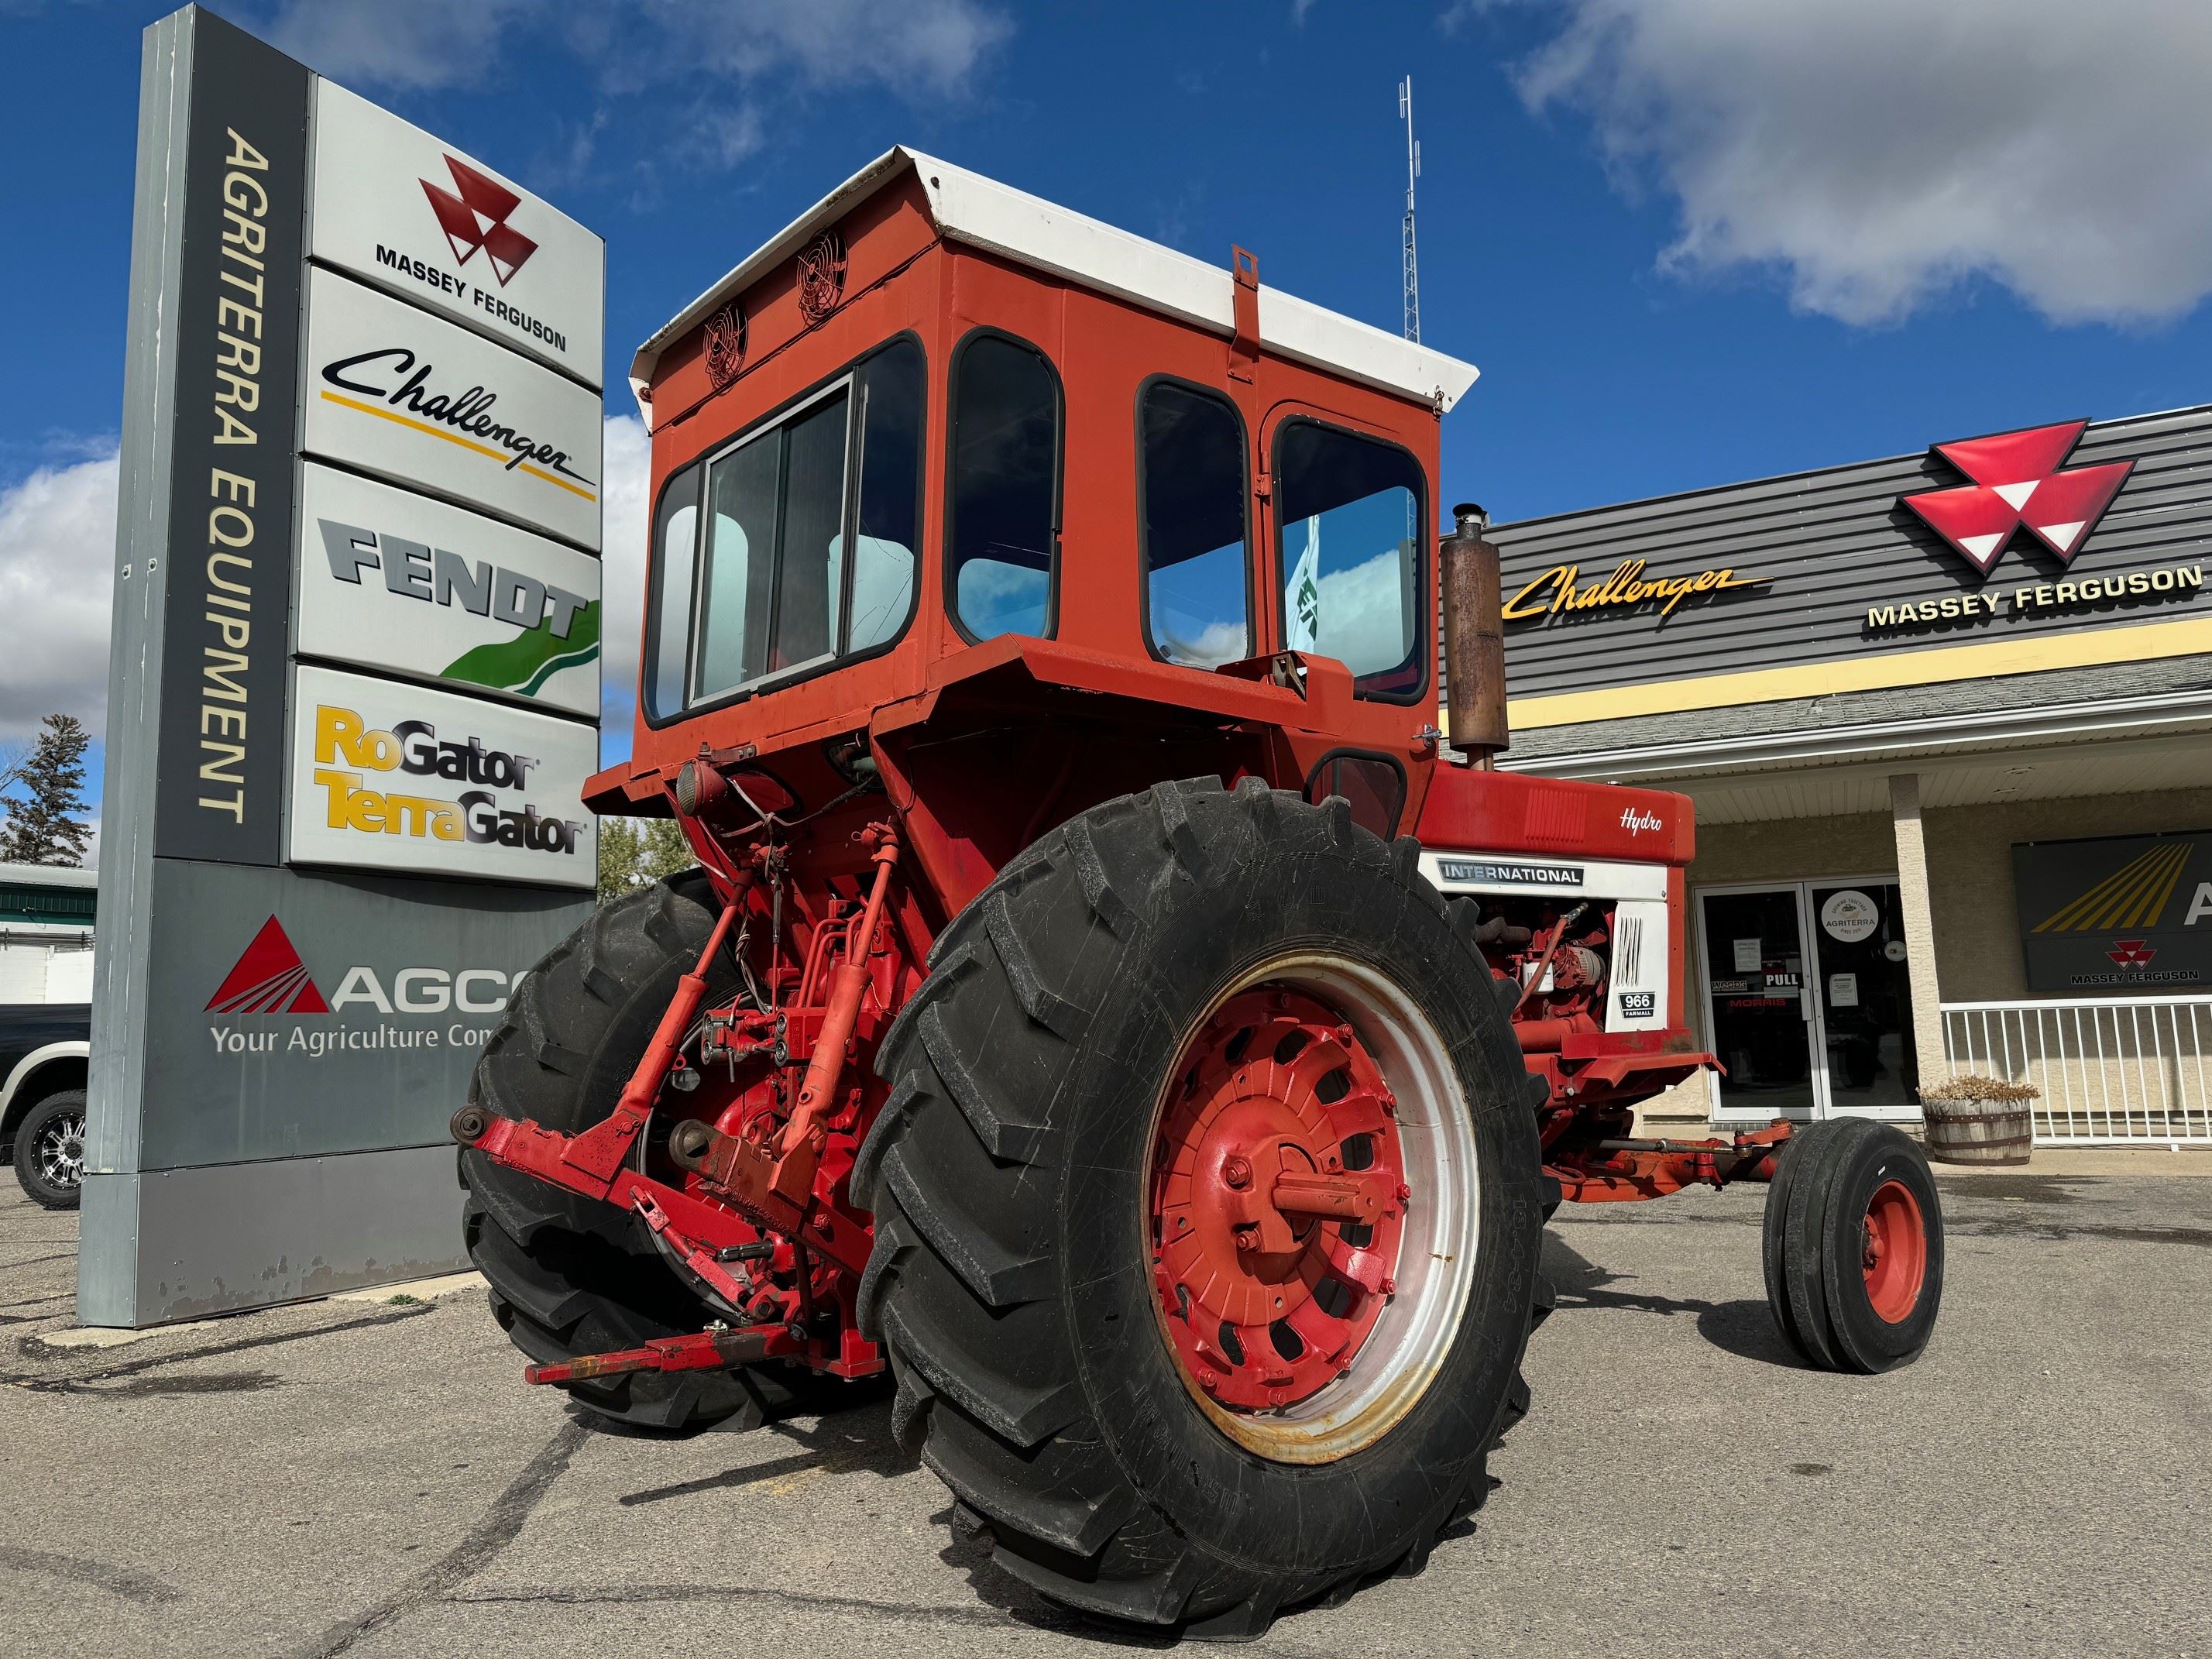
<point x="2017" y="480"/>
<point x="476" y="218"/>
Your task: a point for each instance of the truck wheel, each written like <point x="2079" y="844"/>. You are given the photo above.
<point x="570" y="1275"/>
<point x="1168" y="1400"/>
<point x="50" y="1150"/>
<point x="1854" y="1246"/>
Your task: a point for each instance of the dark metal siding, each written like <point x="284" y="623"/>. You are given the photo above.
<point x="1834" y="542"/>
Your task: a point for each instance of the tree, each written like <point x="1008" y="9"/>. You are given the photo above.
<point x="635" y="853"/>
<point x="42" y="789"/>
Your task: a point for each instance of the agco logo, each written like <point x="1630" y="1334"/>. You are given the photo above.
<point x="476" y="218"/>
<point x="2017" y="480"/>
<point x="270" y="978"/>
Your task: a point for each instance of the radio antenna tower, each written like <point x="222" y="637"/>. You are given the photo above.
<point x="1412" y="172"/>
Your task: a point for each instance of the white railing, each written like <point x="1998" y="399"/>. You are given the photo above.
<point x="2111" y="1069"/>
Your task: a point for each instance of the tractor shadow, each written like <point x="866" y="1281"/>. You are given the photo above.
<point x="854" y="1441"/>
<point x="1744" y="1328"/>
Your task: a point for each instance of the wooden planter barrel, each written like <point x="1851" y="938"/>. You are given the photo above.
<point x="1978" y="1131"/>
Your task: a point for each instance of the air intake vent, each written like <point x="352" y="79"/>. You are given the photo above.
<point x="1555" y="818"/>
<point x="1628" y="951"/>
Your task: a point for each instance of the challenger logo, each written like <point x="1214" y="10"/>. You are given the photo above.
<point x="2017" y="480"/>
<point x="268" y="978"/>
<point x="476" y="218"/>
<point x="2134" y="896"/>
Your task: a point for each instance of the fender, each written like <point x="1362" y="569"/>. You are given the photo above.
<point x="31" y="1062"/>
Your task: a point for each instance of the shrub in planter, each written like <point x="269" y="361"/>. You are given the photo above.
<point x="1978" y="1120"/>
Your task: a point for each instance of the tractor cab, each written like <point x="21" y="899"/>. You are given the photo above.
<point x="942" y="454"/>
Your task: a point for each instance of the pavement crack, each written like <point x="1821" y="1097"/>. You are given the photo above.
<point x="132" y="1368"/>
<point x="502" y="1524"/>
<point x="619" y="1595"/>
<point x="117" y="1581"/>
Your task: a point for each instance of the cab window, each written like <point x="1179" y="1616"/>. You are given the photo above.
<point x="1197" y="601"/>
<point x="795" y="547"/>
<point x="1351" y="515"/>
<point x="1002" y="549"/>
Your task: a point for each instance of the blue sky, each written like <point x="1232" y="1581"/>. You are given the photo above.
<point x="1685" y="240"/>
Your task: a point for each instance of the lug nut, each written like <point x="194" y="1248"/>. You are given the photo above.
<point x="1247" y="1238"/>
<point x="1237" y="1172"/>
<point x="1404" y="1192"/>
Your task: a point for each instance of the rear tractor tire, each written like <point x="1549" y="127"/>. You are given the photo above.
<point x="571" y="1275"/>
<point x="1853" y="1246"/>
<point x="1167" y="1399"/>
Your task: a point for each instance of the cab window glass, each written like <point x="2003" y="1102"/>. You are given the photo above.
<point x="889" y="494"/>
<point x="756" y="573"/>
<point x="675" y="536"/>
<point x="1351" y="512"/>
<point x="1197" y="603"/>
<point x="1005" y="538"/>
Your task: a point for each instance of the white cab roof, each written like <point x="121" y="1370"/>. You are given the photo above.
<point x="966" y="207"/>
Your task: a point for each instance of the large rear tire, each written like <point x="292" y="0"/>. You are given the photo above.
<point x="571" y="1275"/>
<point x="1047" y="1127"/>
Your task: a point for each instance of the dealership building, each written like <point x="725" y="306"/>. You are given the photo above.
<point x="1947" y="721"/>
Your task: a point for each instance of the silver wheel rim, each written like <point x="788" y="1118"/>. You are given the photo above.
<point x="1402" y="1355"/>
<point x="59" y="1154"/>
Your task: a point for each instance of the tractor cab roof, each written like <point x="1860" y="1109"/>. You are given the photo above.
<point x="967" y="208"/>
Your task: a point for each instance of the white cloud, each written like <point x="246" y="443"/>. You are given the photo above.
<point x="1880" y="152"/>
<point x="908" y="46"/>
<point x="57" y="581"/>
<point x="417" y="44"/>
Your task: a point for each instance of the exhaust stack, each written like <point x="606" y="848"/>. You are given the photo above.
<point x="1474" y="637"/>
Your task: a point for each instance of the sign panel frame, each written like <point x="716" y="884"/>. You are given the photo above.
<point x="401" y="583"/>
<point x="395" y="776"/>
<point x="399" y="208"/>
<point x="398" y="392"/>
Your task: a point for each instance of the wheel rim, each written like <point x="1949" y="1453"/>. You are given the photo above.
<point x="1310" y="1095"/>
<point x="1895" y="1252"/>
<point x="60" y="1150"/>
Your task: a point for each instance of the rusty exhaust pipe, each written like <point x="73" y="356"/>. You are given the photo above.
<point x="1474" y="637"/>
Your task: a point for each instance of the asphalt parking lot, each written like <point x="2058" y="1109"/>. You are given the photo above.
<point x="371" y="1478"/>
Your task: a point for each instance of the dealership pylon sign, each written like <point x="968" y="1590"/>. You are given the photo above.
<point x="354" y="684"/>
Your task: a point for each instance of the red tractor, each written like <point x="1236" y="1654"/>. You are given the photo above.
<point x="1105" y="1000"/>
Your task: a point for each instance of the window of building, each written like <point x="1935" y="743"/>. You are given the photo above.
<point x="752" y="580"/>
<point x="1003" y="547"/>
<point x="1351" y="512"/>
<point x="1197" y="600"/>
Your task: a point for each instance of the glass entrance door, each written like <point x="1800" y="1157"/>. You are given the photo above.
<point x="1808" y="1000"/>
<point x="1756" y="1006"/>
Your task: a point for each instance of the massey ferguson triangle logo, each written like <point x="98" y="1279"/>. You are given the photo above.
<point x="2132" y="952"/>
<point x="2017" y="480"/>
<point x="270" y="979"/>
<point x="476" y="218"/>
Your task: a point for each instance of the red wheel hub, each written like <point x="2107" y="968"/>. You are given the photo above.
<point x="1278" y="1200"/>
<point x="1895" y="1252"/>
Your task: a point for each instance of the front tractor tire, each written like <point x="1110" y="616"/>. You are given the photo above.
<point x="571" y="1275"/>
<point x="1167" y="1399"/>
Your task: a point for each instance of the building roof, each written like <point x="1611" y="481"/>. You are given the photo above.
<point x="48" y="875"/>
<point x="966" y="207"/>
